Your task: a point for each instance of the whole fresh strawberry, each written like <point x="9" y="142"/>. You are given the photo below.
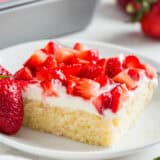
<point x="123" y="3"/>
<point x="11" y="106"/>
<point x="129" y="5"/>
<point x="148" y="14"/>
<point x="150" y="22"/>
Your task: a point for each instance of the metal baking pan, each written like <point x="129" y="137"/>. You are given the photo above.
<point x="27" y="20"/>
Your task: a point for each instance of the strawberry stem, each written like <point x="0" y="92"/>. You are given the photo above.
<point x="3" y="76"/>
<point x="139" y="8"/>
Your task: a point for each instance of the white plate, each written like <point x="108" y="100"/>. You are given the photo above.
<point x="145" y="133"/>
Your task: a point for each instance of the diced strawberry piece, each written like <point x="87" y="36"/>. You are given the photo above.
<point x="149" y="71"/>
<point x="58" y="74"/>
<point x="51" y="47"/>
<point x="50" y="87"/>
<point x="64" y="54"/>
<point x="71" y="83"/>
<point x="90" y="55"/>
<point x="131" y="61"/>
<point x="44" y="73"/>
<point x="80" y="47"/>
<point x="71" y="69"/>
<point x="36" y="59"/>
<point x="113" y="67"/>
<point x="103" y="102"/>
<point x="102" y="80"/>
<point x="103" y="63"/>
<point x="86" y="88"/>
<point x="134" y="74"/>
<point x="50" y="62"/>
<point x="23" y="74"/>
<point x="116" y="99"/>
<point x="4" y="72"/>
<point x="91" y="71"/>
<point x="123" y="77"/>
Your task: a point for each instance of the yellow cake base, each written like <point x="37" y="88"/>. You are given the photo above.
<point x="83" y="126"/>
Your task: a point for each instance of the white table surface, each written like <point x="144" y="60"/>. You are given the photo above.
<point x="110" y="25"/>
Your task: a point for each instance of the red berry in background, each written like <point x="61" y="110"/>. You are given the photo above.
<point x="150" y="22"/>
<point x="11" y="106"/>
<point x="123" y="3"/>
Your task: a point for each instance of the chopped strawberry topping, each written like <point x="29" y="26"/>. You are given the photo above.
<point x="134" y="74"/>
<point x="83" y="73"/>
<point x="65" y="54"/>
<point x="71" y="69"/>
<point x="113" y="67"/>
<point x="131" y="61"/>
<point x="89" y="55"/>
<point x="90" y="71"/>
<point x="45" y="73"/>
<point x="111" y="100"/>
<point x="80" y="47"/>
<point x="102" y="102"/>
<point x="36" y="60"/>
<point x="51" y="47"/>
<point x="86" y="88"/>
<point x="103" y="80"/>
<point x="50" y="87"/>
<point x="116" y="100"/>
<point x="103" y="63"/>
<point x="23" y="74"/>
<point x="149" y="71"/>
<point x="71" y="83"/>
<point x="50" y="62"/>
<point x="123" y="77"/>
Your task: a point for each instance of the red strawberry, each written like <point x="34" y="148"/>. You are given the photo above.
<point x="50" y="62"/>
<point x="123" y="77"/>
<point x="80" y="47"/>
<point x="134" y="74"/>
<point x="86" y="88"/>
<point x="89" y="55"/>
<point x="150" y="22"/>
<point x="45" y="73"/>
<point x="149" y="71"/>
<point x="103" y="63"/>
<point x="50" y="87"/>
<point x="103" y="102"/>
<point x="102" y="80"/>
<point x="131" y="61"/>
<point x="113" y="67"/>
<point x="71" y="69"/>
<point x="116" y="98"/>
<point x="91" y="71"/>
<point x="4" y="72"/>
<point x="51" y="47"/>
<point x="124" y="3"/>
<point x="23" y="74"/>
<point x="36" y="60"/>
<point x="11" y="106"/>
<point x="71" y="83"/>
<point x="65" y="54"/>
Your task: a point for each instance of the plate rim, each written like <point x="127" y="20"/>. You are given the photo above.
<point x="52" y="153"/>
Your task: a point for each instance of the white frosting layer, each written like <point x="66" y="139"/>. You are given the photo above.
<point x="35" y="92"/>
